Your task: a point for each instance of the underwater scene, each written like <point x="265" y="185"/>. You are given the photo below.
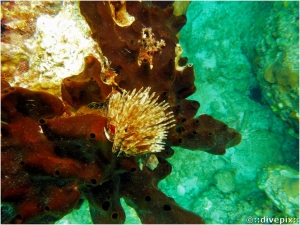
<point x="161" y="112"/>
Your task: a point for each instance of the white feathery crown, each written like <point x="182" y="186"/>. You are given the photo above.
<point x="137" y="123"/>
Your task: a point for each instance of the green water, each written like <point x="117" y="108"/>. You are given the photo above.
<point x="218" y="40"/>
<point x="223" y="40"/>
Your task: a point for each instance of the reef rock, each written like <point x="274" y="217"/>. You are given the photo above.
<point x="274" y="60"/>
<point x="281" y="184"/>
<point x="225" y="181"/>
<point x="18" y="23"/>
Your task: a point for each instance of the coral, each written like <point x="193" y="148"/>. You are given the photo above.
<point x="54" y="49"/>
<point x="58" y="153"/>
<point x="225" y="181"/>
<point x="18" y="19"/>
<point x="275" y="59"/>
<point x="18" y="23"/>
<point x="281" y="184"/>
<point x="282" y="73"/>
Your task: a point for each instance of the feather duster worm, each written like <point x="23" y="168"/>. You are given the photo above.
<point x="137" y="123"/>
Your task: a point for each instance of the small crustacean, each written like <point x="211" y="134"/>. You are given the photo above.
<point x="149" y="46"/>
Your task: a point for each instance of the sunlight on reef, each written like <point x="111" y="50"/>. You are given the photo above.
<point x="54" y="51"/>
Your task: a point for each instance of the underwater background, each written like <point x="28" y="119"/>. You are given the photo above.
<point x="225" y="41"/>
<point x="260" y="177"/>
<point x="245" y="56"/>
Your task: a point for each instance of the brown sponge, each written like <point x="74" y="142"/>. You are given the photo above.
<point x="56" y="154"/>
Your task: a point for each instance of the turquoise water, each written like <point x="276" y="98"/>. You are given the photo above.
<point x="246" y="60"/>
<point x="259" y="177"/>
<point x="225" y="189"/>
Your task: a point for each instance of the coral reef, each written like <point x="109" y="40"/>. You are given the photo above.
<point x="18" y="23"/>
<point x="225" y="181"/>
<point x="54" y="49"/>
<point x="173" y="86"/>
<point x="19" y="18"/>
<point x="56" y="153"/>
<point x="224" y="80"/>
<point x="281" y="184"/>
<point x="274" y="60"/>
